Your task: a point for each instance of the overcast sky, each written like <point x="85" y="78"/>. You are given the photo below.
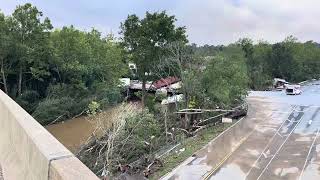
<point x="207" y="21"/>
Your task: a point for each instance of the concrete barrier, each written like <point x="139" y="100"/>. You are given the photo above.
<point x="28" y="151"/>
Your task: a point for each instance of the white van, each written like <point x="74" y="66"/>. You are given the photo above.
<point x="293" y="90"/>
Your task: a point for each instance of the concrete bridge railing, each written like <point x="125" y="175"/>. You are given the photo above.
<point x="28" y="151"/>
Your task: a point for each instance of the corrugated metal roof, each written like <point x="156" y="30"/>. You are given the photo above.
<point x="165" y="82"/>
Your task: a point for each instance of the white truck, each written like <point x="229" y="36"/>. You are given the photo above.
<point x="293" y="90"/>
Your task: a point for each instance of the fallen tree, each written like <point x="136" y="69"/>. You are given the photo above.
<point x="132" y="136"/>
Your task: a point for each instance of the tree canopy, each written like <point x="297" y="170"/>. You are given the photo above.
<point x="145" y="40"/>
<point x="44" y="69"/>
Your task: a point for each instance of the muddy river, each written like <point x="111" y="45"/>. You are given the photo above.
<point x="72" y="133"/>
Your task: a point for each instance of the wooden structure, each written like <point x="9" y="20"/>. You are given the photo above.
<point x="192" y="119"/>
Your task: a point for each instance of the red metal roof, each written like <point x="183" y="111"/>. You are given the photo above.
<point x="165" y="82"/>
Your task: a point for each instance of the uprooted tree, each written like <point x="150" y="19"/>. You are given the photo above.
<point x="132" y="135"/>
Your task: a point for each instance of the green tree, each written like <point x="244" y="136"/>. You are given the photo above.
<point x="260" y="77"/>
<point x="145" y="39"/>
<point x="4" y="50"/>
<point x="85" y="59"/>
<point x="71" y="55"/>
<point x="225" y="78"/>
<point x="29" y="32"/>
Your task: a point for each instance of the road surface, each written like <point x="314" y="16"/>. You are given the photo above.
<point x="283" y="143"/>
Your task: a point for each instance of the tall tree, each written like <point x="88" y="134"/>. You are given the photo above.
<point x="225" y="78"/>
<point x="28" y="30"/>
<point x="4" y="49"/>
<point x="145" y="39"/>
<point x="248" y="49"/>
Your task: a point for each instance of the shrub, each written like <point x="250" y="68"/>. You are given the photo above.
<point x="66" y="90"/>
<point x="106" y="94"/>
<point x="28" y="100"/>
<point x="54" y="109"/>
<point x="109" y="96"/>
<point x="93" y="108"/>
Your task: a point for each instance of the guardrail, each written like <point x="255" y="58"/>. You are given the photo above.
<point x="28" y="151"/>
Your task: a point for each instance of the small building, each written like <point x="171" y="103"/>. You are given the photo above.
<point x="165" y="82"/>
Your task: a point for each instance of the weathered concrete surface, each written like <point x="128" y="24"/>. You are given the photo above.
<point x="27" y="150"/>
<point x="69" y="168"/>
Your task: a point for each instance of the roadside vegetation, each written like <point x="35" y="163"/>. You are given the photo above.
<point x="58" y="74"/>
<point x="187" y="149"/>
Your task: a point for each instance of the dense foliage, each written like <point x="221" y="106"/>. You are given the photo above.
<point x="225" y="79"/>
<point x="55" y="74"/>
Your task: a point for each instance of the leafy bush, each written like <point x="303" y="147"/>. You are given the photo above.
<point x="66" y="90"/>
<point x="145" y="133"/>
<point x="66" y="101"/>
<point x="60" y="109"/>
<point x="109" y="96"/>
<point x="28" y="100"/>
<point x="93" y="108"/>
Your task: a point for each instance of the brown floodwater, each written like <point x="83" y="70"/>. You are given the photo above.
<point x="74" y="132"/>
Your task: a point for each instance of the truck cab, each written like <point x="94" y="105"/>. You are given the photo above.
<point x="293" y="90"/>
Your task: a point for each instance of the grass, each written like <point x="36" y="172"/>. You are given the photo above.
<point x="191" y="146"/>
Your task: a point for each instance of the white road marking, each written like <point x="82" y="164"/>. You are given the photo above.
<point x="275" y="154"/>
<point x="266" y="147"/>
<point x="306" y="161"/>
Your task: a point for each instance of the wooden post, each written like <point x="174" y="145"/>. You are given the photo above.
<point x="165" y="122"/>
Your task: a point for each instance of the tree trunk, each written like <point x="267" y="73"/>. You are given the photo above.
<point x="186" y="98"/>
<point x="20" y="82"/>
<point x="143" y="98"/>
<point x="4" y="78"/>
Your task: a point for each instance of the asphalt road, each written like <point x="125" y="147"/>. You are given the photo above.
<point x="283" y="144"/>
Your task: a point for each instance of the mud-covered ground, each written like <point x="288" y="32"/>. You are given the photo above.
<point x="279" y="139"/>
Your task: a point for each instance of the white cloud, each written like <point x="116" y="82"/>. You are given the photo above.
<point x="223" y="22"/>
<point x="207" y="21"/>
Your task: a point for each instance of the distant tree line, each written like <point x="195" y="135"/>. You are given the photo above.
<point x="290" y="59"/>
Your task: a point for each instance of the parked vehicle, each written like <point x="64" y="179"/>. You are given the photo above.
<point x="293" y="90"/>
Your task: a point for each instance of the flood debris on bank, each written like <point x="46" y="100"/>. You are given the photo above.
<point x="132" y="140"/>
<point x="130" y="136"/>
<point x="195" y="120"/>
